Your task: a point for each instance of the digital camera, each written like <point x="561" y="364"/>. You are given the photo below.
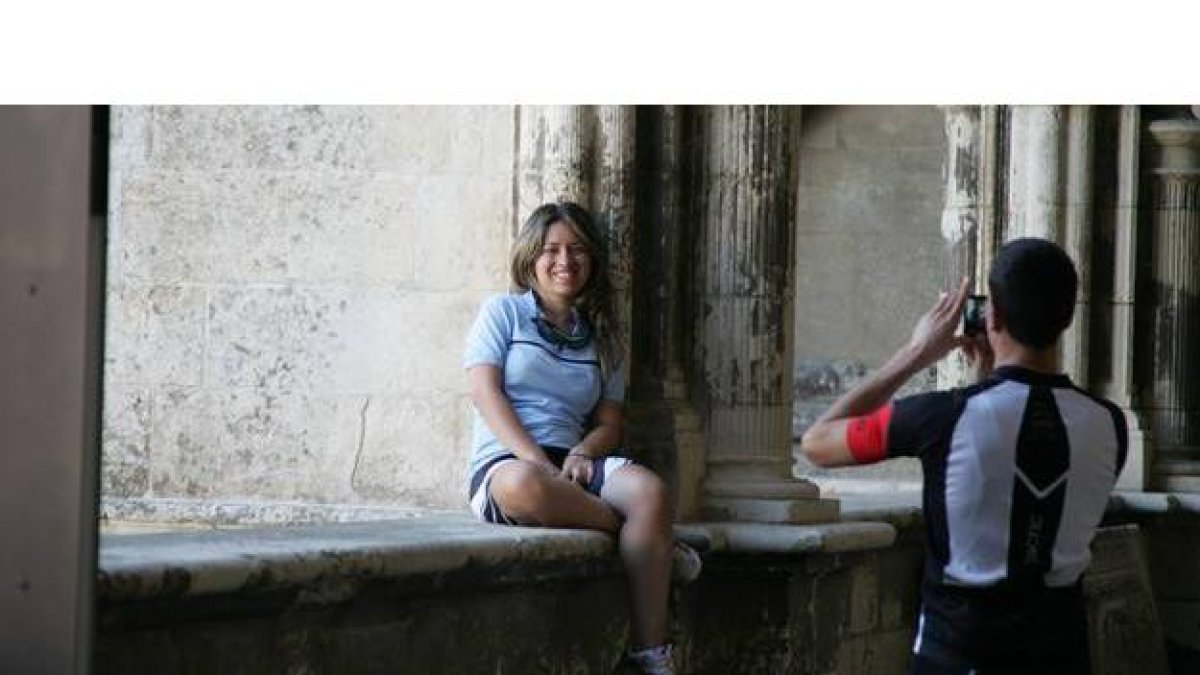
<point x="973" y="315"/>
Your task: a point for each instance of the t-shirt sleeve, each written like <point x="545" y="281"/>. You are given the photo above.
<point x="920" y="423"/>
<point x="490" y="335"/>
<point x="1122" y="432"/>
<point x="867" y="435"/>
<point x="614" y="385"/>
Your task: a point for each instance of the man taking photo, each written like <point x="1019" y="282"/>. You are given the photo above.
<point x="1017" y="470"/>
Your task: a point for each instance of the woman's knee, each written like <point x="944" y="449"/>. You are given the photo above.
<point x="648" y="495"/>
<point x="520" y="488"/>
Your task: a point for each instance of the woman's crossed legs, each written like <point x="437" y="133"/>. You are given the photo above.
<point x="633" y="504"/>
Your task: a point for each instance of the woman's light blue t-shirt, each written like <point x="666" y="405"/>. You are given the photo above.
<point x="553" y="389"/>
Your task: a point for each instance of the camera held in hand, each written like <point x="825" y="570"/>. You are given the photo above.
<point x="973" y="315"/>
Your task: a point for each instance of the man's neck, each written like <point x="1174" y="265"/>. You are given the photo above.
<point x="1039" y="360"/>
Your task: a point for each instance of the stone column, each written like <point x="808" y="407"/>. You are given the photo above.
<point x="613" y="204"/>
<point x="652" y="418"/>
<point x="1050" y="183"/>
<point x="1035" y="172"/>
<point x="1171" y="392"/>
<point x="1077" y="239"/>
<point x="960" y="219"/>
<point x="748" y="259"/>
<point x="991" y="190"/>
<point x="584" y="154"/>
<point x="1125" y="256"/>
<point x="555" y="156"/>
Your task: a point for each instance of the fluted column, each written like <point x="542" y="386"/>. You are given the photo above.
<point x="613" y="204"/>
<point x="1077" y="239"/>
<point x="653" y="423"/>
<point x="746" y="324"/>
<point x="584" y="154"/>
<point x="556" y="155"/>
<point x="1138" y="465"/>
<point x="960" y="219"/>
<point x="688" y="429"/>
<point x="1050" y="193"/>
<point x="1171" y="390"/>
<point x="1035" y="171"/>
<point x="992" y="188"/>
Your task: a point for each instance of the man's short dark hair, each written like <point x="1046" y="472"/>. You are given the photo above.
<point x="1033" y="284"/>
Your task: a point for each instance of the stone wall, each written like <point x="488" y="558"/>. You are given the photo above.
<point x="869" y="249"/>
<point x="446" y="594"/>
<point x="1170" y="526"/>
<point x="288" y="288"/>
<point x="453" y="596"/>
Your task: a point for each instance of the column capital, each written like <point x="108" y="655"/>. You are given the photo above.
<point x="1179" y="143"/>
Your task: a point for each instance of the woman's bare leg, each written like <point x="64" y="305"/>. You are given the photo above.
<point x="533" y="495"/>
<point x="646" y="542"/>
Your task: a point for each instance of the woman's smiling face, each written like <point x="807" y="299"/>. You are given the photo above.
<point x="564" y="267"/>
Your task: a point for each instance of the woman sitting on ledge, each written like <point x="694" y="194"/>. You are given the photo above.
<point x="544" y="373"/>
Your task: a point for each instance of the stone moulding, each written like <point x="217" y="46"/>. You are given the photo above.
<point x="212" y="562"/>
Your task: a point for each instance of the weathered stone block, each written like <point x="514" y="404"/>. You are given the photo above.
<point x="900" y="572"/>
<point x="1181" y="620"/>
<point x="284" y="338"/>
<point x="415" y="450"/>
<point x="1123" y="626"/>
<point x="254" y="444"/>
<point x="878" y="275"/>
<point x="793" y="511"/>
<point x="864" y="599"/>
<point x="1173" y="548"/>
<point x="129" y="140"/>
<point x="831" y="598"/>
<point x="870" y="191"/>
<point x="372" y="341"/>
<point x="890" y="127"/>
<point x="887" y="653"/>
<point x="852" y="656"/>
<point x="245" y="226"/>
<point x="407" y="139"/>
<point x="461" y="233"/>
<point x="165" y="228"/>
<point x="154" y="335"/>
<point x="125" y="441"/>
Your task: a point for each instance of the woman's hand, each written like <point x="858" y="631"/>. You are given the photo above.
<point x="604" y="436"/>
<point x="578" y="468"/>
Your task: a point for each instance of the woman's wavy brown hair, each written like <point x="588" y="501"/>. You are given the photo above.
<point x="594" y="302"/>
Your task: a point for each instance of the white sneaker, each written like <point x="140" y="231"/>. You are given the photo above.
<point x="686" y="563"/>
<point x="653" y="660"/>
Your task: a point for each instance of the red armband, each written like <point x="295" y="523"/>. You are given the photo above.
<point x="867" y="436"/>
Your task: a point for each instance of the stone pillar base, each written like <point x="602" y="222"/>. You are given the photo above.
<point x="1177" y="472"/>
<point x="796" y="502"/>
<point x="782" y="511"/>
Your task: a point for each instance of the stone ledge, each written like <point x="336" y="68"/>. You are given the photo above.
<point x="763" y="538"/>
<point x="901" y="509"/>
<point x="1154" y="503"/>
<point x="176" y="564"/>
<point x="233" y="512"/>
<point x="136" y="567"/>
